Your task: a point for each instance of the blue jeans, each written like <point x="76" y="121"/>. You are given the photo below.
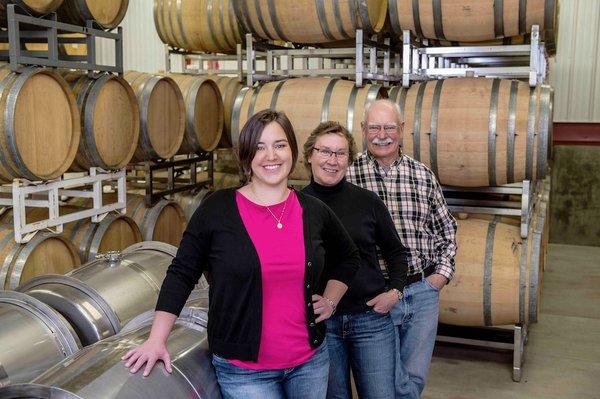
<point x="306" y="381"/>
<point x="416" y="320"/>
<point x="365" y="342"/>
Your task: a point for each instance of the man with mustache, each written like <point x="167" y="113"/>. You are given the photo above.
<point x="415" y="200"/>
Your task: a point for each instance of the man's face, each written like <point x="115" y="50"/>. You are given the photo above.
<point x="382" y="132"/>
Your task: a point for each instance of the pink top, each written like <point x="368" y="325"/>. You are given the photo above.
<point x="284" y="339"/>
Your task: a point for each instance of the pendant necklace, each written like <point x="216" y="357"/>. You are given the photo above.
<point x="279" y="225"/>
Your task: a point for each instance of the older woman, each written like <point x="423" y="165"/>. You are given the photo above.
<point x="361" y="335"/>
<point x="264" y="246"/>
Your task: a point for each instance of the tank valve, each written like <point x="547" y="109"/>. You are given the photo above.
<point x="113" y="257"/>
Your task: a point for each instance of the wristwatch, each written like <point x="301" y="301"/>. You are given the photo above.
<point x="398" y="292"/>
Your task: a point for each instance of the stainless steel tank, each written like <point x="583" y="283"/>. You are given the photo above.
<point x="97" y="372"/>
<point x="33" y="337"/>
<point x="103" y="295"/>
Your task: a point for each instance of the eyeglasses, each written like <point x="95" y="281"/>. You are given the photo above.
<point x="374" y="129"/>
<point x="326" y="153"/>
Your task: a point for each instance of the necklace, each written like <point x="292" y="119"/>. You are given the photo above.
<point x="279" y="225"/>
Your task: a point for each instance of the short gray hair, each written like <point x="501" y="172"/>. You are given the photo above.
<point x="395" y="107"/>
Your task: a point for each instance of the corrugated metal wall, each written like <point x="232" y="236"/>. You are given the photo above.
<point x="575" y="73"/>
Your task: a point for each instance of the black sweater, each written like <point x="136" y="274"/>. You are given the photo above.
<point x="366" y="218"/>
<point x="217" y="241"/>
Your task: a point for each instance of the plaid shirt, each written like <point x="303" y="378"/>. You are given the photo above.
<point x="417" y="205"/>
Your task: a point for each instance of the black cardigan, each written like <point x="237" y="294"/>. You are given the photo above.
<point x="368" y="221"/>
<point x="217" y="241"/>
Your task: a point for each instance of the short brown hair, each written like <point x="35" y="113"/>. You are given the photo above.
<point x="251" y="133"/>
<point x="324" y="128"/>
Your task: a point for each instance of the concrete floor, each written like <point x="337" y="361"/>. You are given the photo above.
<point x="562" y="356"/>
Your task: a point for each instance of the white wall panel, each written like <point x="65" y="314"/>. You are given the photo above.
<point x="142" y="48"/>
<point x="575" y="73"/>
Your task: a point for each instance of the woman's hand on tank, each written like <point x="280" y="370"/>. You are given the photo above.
<point x="383" y="302"/>
<point x="149" y="353"/>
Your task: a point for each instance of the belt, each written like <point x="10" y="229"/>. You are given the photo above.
<point x="415" y="278"/>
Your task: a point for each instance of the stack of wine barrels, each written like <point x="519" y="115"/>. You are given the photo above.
<point x="39" y="124"/>
<point x="198" y="25"/>
<point x="307" y="102"/>
<point x="162" y="115"/>
<point x="204" y="113"/>
<point x="467" y="22"/>
<point x="109" y="120"/>
<point x="475" y="132"/>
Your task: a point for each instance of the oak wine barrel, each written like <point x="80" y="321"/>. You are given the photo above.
<point x="204" y="113"/>
<point x="45" y="253"/>
<point x="472" y="21"/>
<point x="189" y="202"/>
<point x="34" y="7"/>
<point x="309" y="21"/>
<point x="162" y="115"/>
<point x="229" y="88"/>
<point x="198" y="25"/>
<point x="475" y="132"/>
<point x="164" y="222"/>
<point x="307" y="102"/>
<point x="110" y="120"/>
<point x="107" y="13"/>
<point x="39" y="124"/>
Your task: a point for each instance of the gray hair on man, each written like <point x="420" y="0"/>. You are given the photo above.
<point x="393" y="105"/>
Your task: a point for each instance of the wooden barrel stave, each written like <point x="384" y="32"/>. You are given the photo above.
<point x="162" y="115"/>
<point x="36" y="8"/>
<point x="110" y="121"/>
<point x="204" y="113"/>
<point x="307" y="102"/>
<point x="43" y="144"/>
<point x="107" y="13"/>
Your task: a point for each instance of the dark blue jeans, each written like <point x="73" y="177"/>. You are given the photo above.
<point x="306" y="381"/>
<point x="366" y="343"/>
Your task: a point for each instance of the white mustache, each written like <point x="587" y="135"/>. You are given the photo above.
<point x="378" y="141"/>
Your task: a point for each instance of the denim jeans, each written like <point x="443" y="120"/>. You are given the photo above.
<point x="306" y="381"/>
<point x="416" y="320"/>
<point x="365" y="342"/>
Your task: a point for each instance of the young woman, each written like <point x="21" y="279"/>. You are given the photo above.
<point x="264" y="247"/>
<point x="361" y="335"/>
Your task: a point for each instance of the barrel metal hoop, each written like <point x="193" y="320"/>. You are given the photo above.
<point x="417" y="122"/>
<point x="522" y="281"/>
<point x="522" y="17"/>
<point x="402" y="101"/>
<point x="326" y="100"/>
<point x="150" y="217"/>
<point x="158" y="10"/>
<point x="394" y="17"/>
<point x="549" y="12"/>
<point x="84" y="11"/>
<point x="261" y="20"/>
<point x="530" y="131"/>
<point x="240" y="9"/>
<point x="487" y="271"/>
<point x="179" y="15"/>
<point x="275" y="96"/>
<point x="275" y="21"/>
<point x="338" y="20"/>
<point x="145" y="93"/>
<point x="512" y="125"/>
<point x="7" y="117"/>
<point x="499" y="18"/>
<point x="139" y="204"/>
<point x="223" y="27"/>
<point x="89" y="144"/>
<point x="543" y="132"/>
<point x="211" y="25"/>
<point x="438" y="21"/>
<point x="170" y="31"/>
<point x="191" y="108"/>
<point x="253" y="101"/>
<point x="352" y="10"/>
<point x="363" y="10"/>
<point x="492" y="128"/>
<point x="21" y="259"/>
<point x="533" y="275"/>
<point x="86" y="241"/>
<point x="323" y="19"/>
<point x="417" y="18"/>
<point x="11" y="107"/>
<point x="6" y="262"/>
<point x="351" y="108"/>
<point x="433" y="137"/>
<point x="236" y="114"/>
